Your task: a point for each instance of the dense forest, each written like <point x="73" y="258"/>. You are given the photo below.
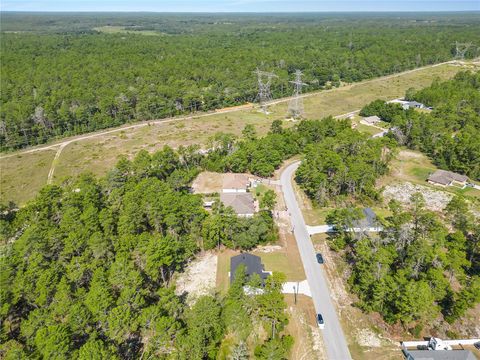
<point x="86" y="270"/>
<point x="421" y="267"/>
<point x="63" y="75"/>
<point x="346" y="165"/>
<point x="87" y="267"/>
<point x="450" y="134"/>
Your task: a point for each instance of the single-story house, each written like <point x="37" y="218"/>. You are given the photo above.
<point x="413" y="105"/>
<point x="371" y="120"/>
<point x="369" y="221"/>
<point x="253" y="265"/>
<point x="233" y="183"/>
<point x="439" y="355"/>
<point x="409" y="104"/>
<point x="242" y="203"/>
<point x="447" y="178"/>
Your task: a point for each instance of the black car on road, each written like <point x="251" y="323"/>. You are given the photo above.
<point x="320" y="258"/>
<point x="320" y="321"/>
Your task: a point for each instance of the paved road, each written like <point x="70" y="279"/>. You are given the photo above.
<point x="333" y="336"/>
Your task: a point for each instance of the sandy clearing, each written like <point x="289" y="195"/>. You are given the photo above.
<point x="199" y="277"/>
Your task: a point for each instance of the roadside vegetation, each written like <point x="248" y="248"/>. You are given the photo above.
<point x="101" y="252"/>
<point x="423" y="266"/>
<point x="420" y="268"/>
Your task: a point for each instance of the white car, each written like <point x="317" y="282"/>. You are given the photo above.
<point x="320" y="321"/>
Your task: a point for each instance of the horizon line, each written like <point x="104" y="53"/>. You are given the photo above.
<point x="241" y="12"/>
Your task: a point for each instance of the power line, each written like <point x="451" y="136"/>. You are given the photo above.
<point x="461" y="49"/>
<point x="295" y="106"/>
<point x="264" y="79"/>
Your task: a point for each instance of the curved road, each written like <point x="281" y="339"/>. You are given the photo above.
<point x="333" y="336"/>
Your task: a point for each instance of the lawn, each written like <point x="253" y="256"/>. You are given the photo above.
<point x="97" y="155"/>
<point x="280" y="261"/>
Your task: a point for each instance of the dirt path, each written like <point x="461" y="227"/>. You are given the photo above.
<point x="219" y="111"/>
<point x="62" y="144"/>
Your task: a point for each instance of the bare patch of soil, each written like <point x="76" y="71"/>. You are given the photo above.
<point x="268" y="248"/>
<point x="435" y="200"/>
<point x="207" y="183"/>
<point x="199" y="277"/>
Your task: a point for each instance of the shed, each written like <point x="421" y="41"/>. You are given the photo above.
<point x="253" y="265"/>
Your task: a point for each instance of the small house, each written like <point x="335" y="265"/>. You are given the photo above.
<point x="253" y="265"/>
<point x="413" y="105"/>
<point x="242" y="203"/>
<point x="371" y="120"/>
<point x="369" y="221"/>
<point x="447" y="178"/>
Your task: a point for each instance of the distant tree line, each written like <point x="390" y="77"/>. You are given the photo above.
<point x="61" y="78"/>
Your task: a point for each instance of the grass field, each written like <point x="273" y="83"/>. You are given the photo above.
<point x="110" y="29"/>
<point x="100" y="153"/>
<point x="22" y="176"/>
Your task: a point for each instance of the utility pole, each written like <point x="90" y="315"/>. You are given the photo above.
<point x="264" y="79"/>
<point x="295" y="107"/>
<point x="461" y="49"/>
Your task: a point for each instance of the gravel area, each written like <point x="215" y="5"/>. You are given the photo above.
<point x="435" y="200"/>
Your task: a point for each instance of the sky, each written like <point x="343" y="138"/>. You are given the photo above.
<point x="239" y="5"/>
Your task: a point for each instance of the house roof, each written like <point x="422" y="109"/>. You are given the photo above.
<point x="371" y="119"/>
<point x="253" y="265"/>
<point x="242" y="203"/>
<point x="446" y="177"/>
<point x="442" y="355"/>
<point x="415" y="103"/>
<point x="235" y="181"/>
<point x="369" y="219"/>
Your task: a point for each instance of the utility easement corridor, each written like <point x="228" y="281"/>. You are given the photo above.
<point x="333" y="336"/>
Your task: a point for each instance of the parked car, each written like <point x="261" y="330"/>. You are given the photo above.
<point x="477" y="345"/>
<point x="320" y="258"/>
<point x="320" y="321"/>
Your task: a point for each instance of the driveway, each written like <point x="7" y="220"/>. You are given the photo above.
<point x="333" y="336"/>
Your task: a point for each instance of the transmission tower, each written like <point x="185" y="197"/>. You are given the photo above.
<point x="264" y="94"/>
<point x="295" y="107"/>
<point x="461" y="49"/>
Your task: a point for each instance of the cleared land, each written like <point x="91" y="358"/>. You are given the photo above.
<point x="110" y="29"/>
<point x="98" y="153"/>
<point x="23" y="175"/>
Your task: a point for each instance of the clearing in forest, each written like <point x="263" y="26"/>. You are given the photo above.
<point x="99" y="153"/>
